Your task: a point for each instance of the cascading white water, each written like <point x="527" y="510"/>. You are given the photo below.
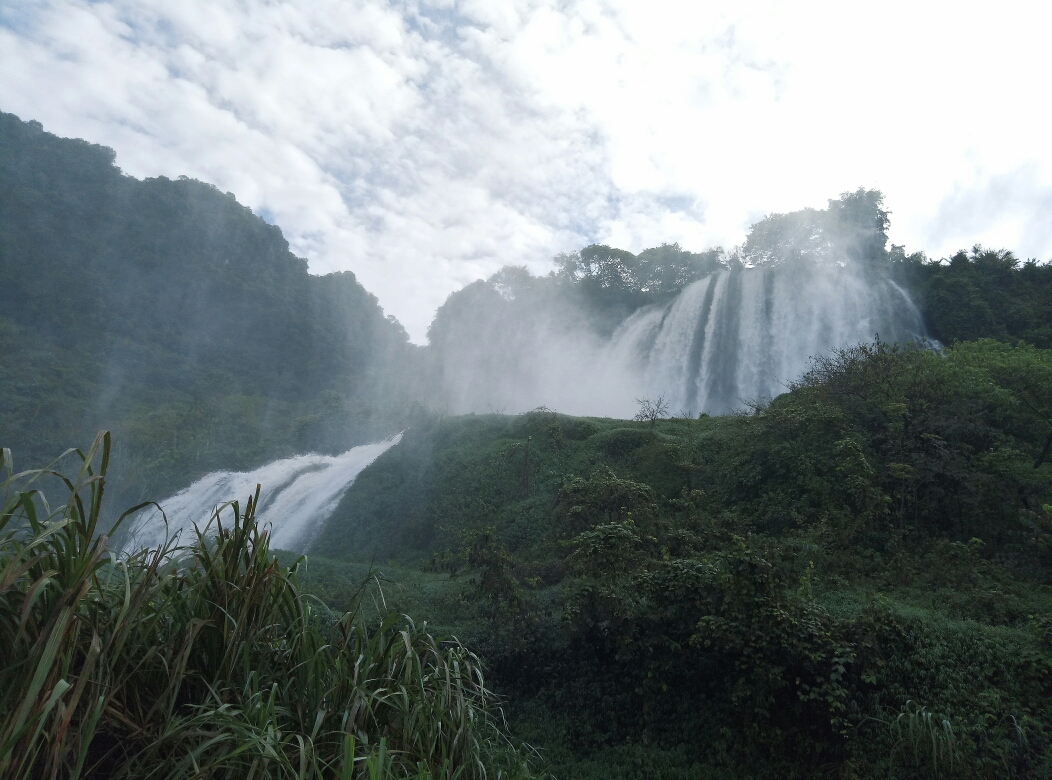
<point x="732" y="327"/>
<point x="297" y="496"/>
<point x="743" y="334"/>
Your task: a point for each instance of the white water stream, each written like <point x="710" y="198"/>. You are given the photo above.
<point x="297" y="496"/>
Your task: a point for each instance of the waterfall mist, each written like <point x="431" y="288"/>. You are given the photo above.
<point x="708" y="333"/>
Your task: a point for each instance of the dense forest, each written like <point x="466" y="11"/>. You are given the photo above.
<point x="167" y="312"/>
<point x="171" y="314"/>
<point x="852" y="578"/>
<point x="984" y="293"/>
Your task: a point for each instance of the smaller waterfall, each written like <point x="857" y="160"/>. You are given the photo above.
<point x="297" y="496"/>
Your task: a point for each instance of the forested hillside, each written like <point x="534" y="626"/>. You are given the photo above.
<point x="852" y="580"/>
<point x="707" y="331"/>
<point x="590" y="336"/>
<point x="170" y="313"/>
<point x="984" y="293"/>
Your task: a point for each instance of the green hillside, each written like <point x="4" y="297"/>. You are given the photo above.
<point x="854" y="580"/>
<point x="984" y="293"/>
<point x="171" y="314"/>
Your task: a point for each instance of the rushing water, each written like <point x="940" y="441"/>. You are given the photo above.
<point x="298" y="495"/>
<point x="738" y="335"/>
<point x="743" y="334"/>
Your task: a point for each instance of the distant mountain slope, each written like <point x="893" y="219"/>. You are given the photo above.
<point x="167" y="310"/>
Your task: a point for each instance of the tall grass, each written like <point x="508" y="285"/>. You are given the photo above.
<point x="206" y="661"/>
<point x="926" y="738"/>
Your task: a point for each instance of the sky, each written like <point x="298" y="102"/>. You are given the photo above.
<point x="424" y="145"/>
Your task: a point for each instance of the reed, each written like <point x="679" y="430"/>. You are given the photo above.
<point x="205" y="660"/>
<point x="926" y="738"/>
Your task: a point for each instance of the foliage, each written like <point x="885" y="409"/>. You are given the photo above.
<point x="984" y="293"/>
<point x="852" y="229"/>
<point x="603" y="277"/>
<point x="957" y="440"/>
<point x="787" y="592"/>
<point x="168" y="312"/>
<point x="207" y="661"/>
<point x="929" y="738"/>
<point x="851" y="579"/>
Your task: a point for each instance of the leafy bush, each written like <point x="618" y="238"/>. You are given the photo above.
<point x="984" y="293"/>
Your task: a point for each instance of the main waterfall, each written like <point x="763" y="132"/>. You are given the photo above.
<point x="297" y="496"/>
<point x="709" y="332"/>
<point x="745" y="333"/>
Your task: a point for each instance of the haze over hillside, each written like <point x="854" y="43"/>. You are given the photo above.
<point x="168" y="312"/>
<point x="708" y="332"/>
<point x="767" y="593"/>
<point x="518" y="390"/>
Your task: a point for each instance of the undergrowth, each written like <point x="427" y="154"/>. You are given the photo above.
<point x="853" y="579"/>
<point x="207" y="661"/>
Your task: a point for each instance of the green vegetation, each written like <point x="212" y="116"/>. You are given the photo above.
<point x="490" y="325"/>
<point x="167" y="312"/>
<point x="852" y="580"/>
<point x="984" y="294"/>
<point x="596" y="288"/>
<point x="207" y="661"/>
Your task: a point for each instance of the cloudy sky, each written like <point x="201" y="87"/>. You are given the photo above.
<point x="423" y="145"/>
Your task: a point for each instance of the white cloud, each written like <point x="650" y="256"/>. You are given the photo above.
<point x="425" y="144"/>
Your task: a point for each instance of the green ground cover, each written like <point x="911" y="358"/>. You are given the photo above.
<point x="851" y="580"/>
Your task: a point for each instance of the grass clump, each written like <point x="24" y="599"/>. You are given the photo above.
<point x="206" y="661"/>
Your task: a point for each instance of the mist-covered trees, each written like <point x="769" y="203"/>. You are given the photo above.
<point x="608" y="277"/>
<point x="602" y="327"/>
<point x="171" y="313"/>
<point x="852" y="229"/>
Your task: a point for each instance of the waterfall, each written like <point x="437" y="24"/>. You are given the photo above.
<point x="744" y="333"/>
<point x="297" y="496"/>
